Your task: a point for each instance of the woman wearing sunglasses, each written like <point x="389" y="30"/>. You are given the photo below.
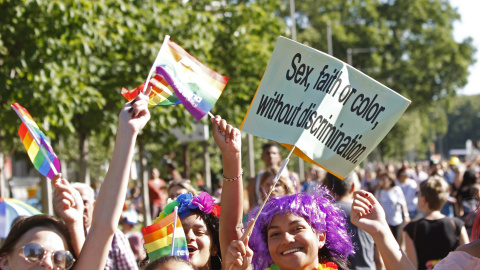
<point x="42" y="242"/>
<point x="37" y="241"/>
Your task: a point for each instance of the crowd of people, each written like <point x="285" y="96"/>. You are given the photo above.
<point x="393" y="216"/>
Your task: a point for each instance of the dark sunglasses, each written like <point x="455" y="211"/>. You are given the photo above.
<point x="35" y="253"/>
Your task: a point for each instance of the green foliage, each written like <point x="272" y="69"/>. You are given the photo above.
<point x="66" y="61"/>
<point x="416" y="55"/>
<point x="464" y="122"/>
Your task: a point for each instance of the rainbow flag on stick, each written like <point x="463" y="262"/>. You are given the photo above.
<point x="181" y="77"/>
<point x="38" y="148"/>
<point x="166" y="238"/>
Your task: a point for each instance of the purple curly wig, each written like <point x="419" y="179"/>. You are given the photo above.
<point x="317" y="209"/>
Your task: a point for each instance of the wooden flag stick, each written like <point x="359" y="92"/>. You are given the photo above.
<point x="174" y="228"/>
<point x="250" y="227"/>
<point x="165" y="41"/>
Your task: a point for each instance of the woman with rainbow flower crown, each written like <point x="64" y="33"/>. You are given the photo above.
<point x="200" y="221"/>
<point x="207" y="233"/>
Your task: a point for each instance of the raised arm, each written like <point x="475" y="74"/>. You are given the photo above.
<point x="368" y="215"/>
<point x="229" y="141"/>
<point x="68" y="205"/>
<point x="108" y="206"/>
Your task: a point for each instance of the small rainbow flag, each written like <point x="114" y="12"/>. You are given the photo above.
<point x="38" y="148"/>
<point x="161" y="95"/>
<point x="181" y="77"/>
<point x="158" y="238"/>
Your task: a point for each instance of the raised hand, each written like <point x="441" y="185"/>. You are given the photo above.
<point x="67" y="202"/>
<point x="135" y="114"/>
<point x="367" y="213"/>
<point x="68" y="205"/>
<point x="225" y="135"/>
<point x="239" y="254"/>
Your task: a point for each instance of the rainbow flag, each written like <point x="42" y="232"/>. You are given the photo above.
<point x="38" y="148"/>
<point x="158" y="238"/>
<point x="162" y="93"/>
<point x="180" y="77"/>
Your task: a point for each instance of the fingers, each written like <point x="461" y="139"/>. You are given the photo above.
<point x="56" y="178"/>
<point x="226" y="130"/>
<point x="139" y="106"/>
<point x="147" y="91"/>
<point x="236" y="252"/>
<point x="63" y="197"/>
<point x="64" y="194"/>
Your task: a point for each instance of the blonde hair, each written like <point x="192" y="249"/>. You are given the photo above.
<point x="436" y="191"/>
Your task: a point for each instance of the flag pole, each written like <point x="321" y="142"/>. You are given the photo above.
<point x="165" y="41"/>
<point x="250" y="227"/>
<point x="271" y="189"/>
<point x="174" y="228"/>
<point x="35" y="137"/>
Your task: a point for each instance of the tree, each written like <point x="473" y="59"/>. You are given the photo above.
<point x="416" y="53"/>
<point x="464" y="122"/>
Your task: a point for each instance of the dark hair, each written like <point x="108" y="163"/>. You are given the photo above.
<point x="387" y="175"/>
<point x="401" y="171"/>
<point x="166" y="259"/>
<point x="469" y="178"/>
<point x="212" y="222"/>
<point x="172" y="164"/>
<point x="213" y="227"/>
<point x="266" y="146"/>
<point x="337" y="186"/>
<point x="25" y="224"/>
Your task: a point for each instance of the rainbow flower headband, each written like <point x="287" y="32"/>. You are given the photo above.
<point x="187" y="202"/>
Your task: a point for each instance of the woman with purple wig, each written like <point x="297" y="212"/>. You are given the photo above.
<point x="300" y="231"/>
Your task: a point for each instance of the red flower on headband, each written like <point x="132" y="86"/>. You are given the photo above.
<point x="216" y="210"/>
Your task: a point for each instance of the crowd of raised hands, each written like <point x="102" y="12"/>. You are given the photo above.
<point x="299" y="231"/>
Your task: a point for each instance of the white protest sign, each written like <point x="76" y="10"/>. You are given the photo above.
<point x="332" y="113"/>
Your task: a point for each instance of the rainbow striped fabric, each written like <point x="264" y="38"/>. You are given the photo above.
<point x="158" y="238"/>
<point x="180" y="77"/>
<point x="162" y="93"/>
<point x="38" y="148"/>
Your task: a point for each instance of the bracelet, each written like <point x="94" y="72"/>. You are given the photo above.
<point x="234" y="178"/>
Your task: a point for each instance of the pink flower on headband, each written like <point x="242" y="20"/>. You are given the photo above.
<point x="204" y="202"/>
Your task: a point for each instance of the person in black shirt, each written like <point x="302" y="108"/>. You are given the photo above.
<point x="431" y="238"/>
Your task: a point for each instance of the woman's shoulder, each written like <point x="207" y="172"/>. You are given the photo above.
<point x="472" y="248"/>
<point x="464" y="257"/>
<point x="457" y="260"/>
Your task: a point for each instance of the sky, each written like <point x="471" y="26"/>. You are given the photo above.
<point x="468" y="26"/>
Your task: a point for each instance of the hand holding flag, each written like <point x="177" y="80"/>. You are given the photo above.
<point x="180" y="77"/>
<point x="38" y="148"/>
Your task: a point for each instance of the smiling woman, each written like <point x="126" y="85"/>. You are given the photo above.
<point x="200" y="222"/>
<point x="38" y="241"/>
<point x="301" y="231"/>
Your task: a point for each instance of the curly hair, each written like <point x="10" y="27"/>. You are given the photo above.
<point x="317" y="209"/>
<point x="212" y="222"/>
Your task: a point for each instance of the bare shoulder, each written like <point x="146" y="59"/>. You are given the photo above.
<point x="472" y="248"/>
